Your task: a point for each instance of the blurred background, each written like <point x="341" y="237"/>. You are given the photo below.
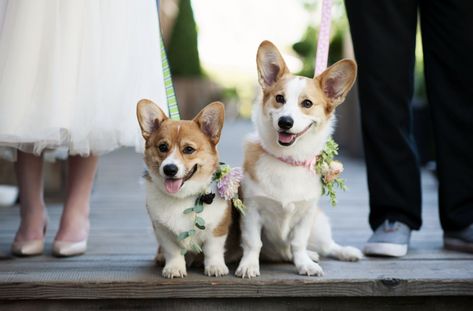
<point x="212" y="46"/>
<point x="212" y="50"/>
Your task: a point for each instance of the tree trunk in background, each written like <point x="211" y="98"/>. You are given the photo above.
<point x="193" y="94"/>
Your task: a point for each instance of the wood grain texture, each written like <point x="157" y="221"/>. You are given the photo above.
<point x="119" y="262"/>
<point x="254" y="304"/>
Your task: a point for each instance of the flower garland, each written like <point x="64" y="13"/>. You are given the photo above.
<point x="329" y="171"/>
<point x="227" y="181"/>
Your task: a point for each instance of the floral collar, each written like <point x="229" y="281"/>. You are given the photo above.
<point x="227" y="181"/>
<point x="308" y="164"/>
<point x="324" y="165"/>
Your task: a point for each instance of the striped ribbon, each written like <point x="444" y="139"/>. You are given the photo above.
<point x="323" y="43"/>
<point x="171" y="100"/>
<point x="170" y="94"/>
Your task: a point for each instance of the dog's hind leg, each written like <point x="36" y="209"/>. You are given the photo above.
<point x="321" y="241"/>
<point x="314" y="256"/>
<point x="159" y="258"/>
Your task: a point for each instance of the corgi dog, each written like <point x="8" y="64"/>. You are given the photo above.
<point x="281" y="189"/>
<point x="181" y="159"/>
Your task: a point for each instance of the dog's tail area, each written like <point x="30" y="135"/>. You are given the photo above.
<point x="321" y="241"/>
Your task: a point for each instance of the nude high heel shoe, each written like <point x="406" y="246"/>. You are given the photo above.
<point x="63" y="248"/>
<point x="67" y="249"/>
<point x="29" y="248"/>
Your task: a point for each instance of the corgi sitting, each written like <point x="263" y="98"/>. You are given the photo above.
<point x="280" y="186"/>
<point x="182" y="158"/>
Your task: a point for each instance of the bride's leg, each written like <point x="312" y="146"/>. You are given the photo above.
<point x="74" y="225"/>
<point x="30" y="182"/>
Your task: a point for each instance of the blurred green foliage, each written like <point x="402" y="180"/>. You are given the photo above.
<point x="306" y="48"/>
<point x="183" y="52"/>
<point x="230" y="93"/>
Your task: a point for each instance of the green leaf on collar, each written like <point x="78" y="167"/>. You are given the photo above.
<point x="238" y="204"/>
<point x="196" y="248"/>
<point x="200" y="223"/>
<point x="198" y="208"/>
<point x="222" y="170"/>
<point x="322" y="165"/>
<point x="183" y="235"/>
<point x="189" y="210"/>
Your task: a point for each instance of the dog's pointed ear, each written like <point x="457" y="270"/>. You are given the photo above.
<point x="271" y="65"/>
<point x="150" y="117"/>
<point x="210" y="121"/>
<point x="337" y="80"/>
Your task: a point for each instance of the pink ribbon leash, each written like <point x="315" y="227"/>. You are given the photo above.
<point x="323" y="43"/>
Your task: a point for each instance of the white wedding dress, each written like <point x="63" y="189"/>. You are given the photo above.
<point x="72" y="71"/>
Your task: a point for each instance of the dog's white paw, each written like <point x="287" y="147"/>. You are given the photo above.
<point x="349" y="253"/>
<point x="174" y="271"/>
<point x="248" y="269"/>
<point x="310" y="268"/>
<point x="216" y="269"/>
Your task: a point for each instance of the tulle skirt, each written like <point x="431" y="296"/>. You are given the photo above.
<point x="72" y="71"/>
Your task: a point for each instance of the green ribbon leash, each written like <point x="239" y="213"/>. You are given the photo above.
<point x="168" y="86"/>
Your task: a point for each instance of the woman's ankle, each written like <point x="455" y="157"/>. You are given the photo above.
<point x="32" y="225"/>
<point x="74" y="226"/>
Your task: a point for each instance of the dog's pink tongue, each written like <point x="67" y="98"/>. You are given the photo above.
<point x="286" y="138"/>
<point x="173" y="185"/>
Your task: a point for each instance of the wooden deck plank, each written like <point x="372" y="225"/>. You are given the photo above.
<point x="102" y="280"/>
<point x="119" y="262"/>
<point x="254" y="304"/>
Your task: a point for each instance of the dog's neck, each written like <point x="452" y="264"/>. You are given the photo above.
<point x="308" y="164"/>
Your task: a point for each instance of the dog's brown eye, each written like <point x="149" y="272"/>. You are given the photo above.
<point x="188" y="150"/>
<point x="307" y="103"/>
<point x="280" y="99"/>
<point x="163" y="147"/>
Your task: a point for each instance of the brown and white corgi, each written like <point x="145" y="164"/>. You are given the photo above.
<point x="181" y="158"/>
<point x="280" y="187"/>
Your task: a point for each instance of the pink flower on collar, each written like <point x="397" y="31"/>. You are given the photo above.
<point x="335" y="169"/>
<point x="228" y="184"/>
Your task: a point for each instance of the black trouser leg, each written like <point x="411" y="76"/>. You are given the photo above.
<point x="447" y="28"/>
<point x="384" y="33"/>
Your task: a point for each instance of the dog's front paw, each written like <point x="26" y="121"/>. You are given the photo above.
<point x="310" y="268"/>
<point x="174" y="271"/>
<point x="217" y="269"/>
<point x="248" y="269"/>
<point x="349" y="253"/>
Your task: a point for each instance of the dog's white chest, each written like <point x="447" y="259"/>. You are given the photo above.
<point x="169" y="212"/>
<point x="282" y="182"/>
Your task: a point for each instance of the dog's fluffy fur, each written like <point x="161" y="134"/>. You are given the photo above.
<point x="283" y="221"/>
<point x="191" y="145"/>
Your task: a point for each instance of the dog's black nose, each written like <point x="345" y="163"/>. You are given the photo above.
<point x="285" y="123"/>
<point x="170" y="170"/>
